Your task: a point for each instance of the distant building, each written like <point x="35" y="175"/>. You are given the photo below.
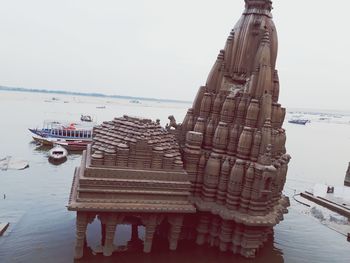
<point x="217" y="178"/>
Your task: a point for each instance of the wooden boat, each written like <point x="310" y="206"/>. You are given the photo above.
<point x="74" y="145"/>
<point x="58" y="154"/>
<point x="10" y="163"/>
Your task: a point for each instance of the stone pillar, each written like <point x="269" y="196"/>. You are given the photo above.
<point x="108" y="226"/>
<point x="81" y="225"/>
<point x="225" y="236"/>
<point x="213" y="239"/>
<point x="175" y="230"/>
<point x="110" y="232"/>
<point x="150" y="222"/>
<point x="202" y="230"/>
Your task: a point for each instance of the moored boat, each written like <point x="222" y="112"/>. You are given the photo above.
<point x="58" y="154"/>
<point x="86" y="118"/>
<point x="74" y="145"/>
<point x="299" y="121"/>
<point x="57" y="131"/>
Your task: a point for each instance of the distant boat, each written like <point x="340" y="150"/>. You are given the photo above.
<point x="299" y="121"/>
<point x="135" y="101"/>
<point x="58" y="154"/>
<point x="100" y="107"/>
<point x="86" y="118"/>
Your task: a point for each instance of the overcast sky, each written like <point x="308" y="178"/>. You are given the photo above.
<point x="165" y="49"/>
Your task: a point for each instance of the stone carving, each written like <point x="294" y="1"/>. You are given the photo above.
<point x="218" y="177"/>
<point x="172" y="123"/>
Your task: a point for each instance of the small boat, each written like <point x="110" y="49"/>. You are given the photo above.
<point x="299" y="121"/>
<point x="86" y="118"/>
<point x="58" y="154"/>
<point x="74" y="145"/>
<point x="100" y="107"/>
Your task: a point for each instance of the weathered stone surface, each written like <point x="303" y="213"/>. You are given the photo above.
<point x="239" y="115"/>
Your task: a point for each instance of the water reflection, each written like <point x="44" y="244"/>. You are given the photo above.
<point x="187" y="251"/>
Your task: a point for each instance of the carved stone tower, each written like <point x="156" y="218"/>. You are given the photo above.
<point x="233" y="142"/>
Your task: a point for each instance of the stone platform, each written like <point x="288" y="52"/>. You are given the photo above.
<point x="339" y="201"/>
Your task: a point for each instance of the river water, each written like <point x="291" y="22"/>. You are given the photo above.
<point x="42" y="230"/>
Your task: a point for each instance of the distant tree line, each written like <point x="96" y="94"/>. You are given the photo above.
<point x="86" y="94"/>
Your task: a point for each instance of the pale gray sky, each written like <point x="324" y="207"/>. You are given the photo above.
<point x="165" y="49"/>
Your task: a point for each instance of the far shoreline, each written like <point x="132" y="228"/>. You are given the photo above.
<point x="97" y="95"/>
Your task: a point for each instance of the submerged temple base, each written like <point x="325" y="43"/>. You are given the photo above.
<point x="110" y="222"/>
<point x="218" y="177"/>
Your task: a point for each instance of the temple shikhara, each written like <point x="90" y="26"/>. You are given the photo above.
<point x="216" y="178"/>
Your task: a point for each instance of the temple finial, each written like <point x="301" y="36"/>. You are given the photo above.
<point x="261" y="4"/>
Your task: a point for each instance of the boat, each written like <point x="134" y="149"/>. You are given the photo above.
<point x="74" y="145"/>
<point x="86" y="118"/>
<point x="10" y="163"/>
<point x="299" y="121"/>
<point x="54" y="131"/>
<point x="58" y="154"/>
<point x="100" y="107"/>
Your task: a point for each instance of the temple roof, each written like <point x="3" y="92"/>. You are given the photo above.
<point x="133" y="165"/>
<point x="143" y="142"/>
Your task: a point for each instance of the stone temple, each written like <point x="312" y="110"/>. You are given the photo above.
<point x="217" y="178"/>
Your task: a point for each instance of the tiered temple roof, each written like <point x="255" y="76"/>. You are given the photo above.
<point x="133" y="165"/>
